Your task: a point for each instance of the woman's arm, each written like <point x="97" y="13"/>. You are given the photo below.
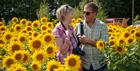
<point x="62" y="47"/>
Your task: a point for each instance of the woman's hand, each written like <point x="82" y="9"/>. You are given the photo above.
<point x="66" y="43"/>
<point x="65" y="46"/>
<point x="68" y="33"/>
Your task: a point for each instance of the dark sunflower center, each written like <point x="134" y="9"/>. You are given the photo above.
<point x="15" y="47"/>
<point x="49" y="50"/>
<point x="8" y="37"/>
<point x="36" y="44"/>
<point x="9" y="62"/>
<point x="126" y="35"/>
<point x="119" y="49"/>
<point x="47" y="38"/>
<point x="130" y="40"/>
<point x="35" y="25"/>
<point x="18" y="56"/>
<point x="72" y="62"/>
<point x="53" y="67"/>
<point x="44" y="28"/>
<point x="25" y="58"/>
<point x="35" y="66"/>
<point x="39" y="57"/>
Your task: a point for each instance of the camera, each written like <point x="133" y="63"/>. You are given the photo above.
<point x="78" y="50"/>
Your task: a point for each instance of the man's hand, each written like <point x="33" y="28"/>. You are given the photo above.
<point x="83" y="39"/>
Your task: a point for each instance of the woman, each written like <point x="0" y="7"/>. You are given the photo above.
<point x="63" y="32"/>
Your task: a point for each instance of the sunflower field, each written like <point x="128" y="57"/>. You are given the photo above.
<point x="122" y="52"/>
<point x="29" y="46"/>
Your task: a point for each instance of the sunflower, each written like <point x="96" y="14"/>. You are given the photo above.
<point x="52" y="65"/>
<point x="72" y="62"/>
<point x="112" y="37"/>
<point x="36" y="66"/>
<point x="29" y="28"/>
<point x="29" y="23"/>
<point x="100" y="44"/>
<point x="15" y="46"/>
<point x="113" y="43"/>
<point x="132" y="31"/>
<point x="49" y="31"/>
<point x="61" y="69"/>
<point x="74" y="20"/>
<point x="126" y="34"/>
<point x="110" y="30"/>
<point x="14" y="39"/>
<point x="15" y="20"/>
<point x="44" y="20"/>
<point x="13" y="25"/>
<point x="30" y="33"/>
<point x="35" y="34"/>
<point x="17" y="28"/>
<point x="79" y="20"/>
<point x="129" y="28"/>
<point x="3" y="28"/>
<point x="121" y="50"/>
<point x="137" y="35"/>
<point x="24" y="31"/>
<point x="7" y="62"/>
<point x="121" y="41"/>
<point x="130" y="40"/>
<point x="26" y="57"/>
<point x="43" y="28"/>
<point x="48" y="38"/>
<point x="17" y="67"/>
<point x="22" y="38"/>
<point x="50" y="25"/>
<point x="2" y="41"/>
<point x="51" y="50"/>
<point x="18" y="56"/>
<point x="23" y="22"/>
<point x="1" y="24"/>
<point x="30" y="39"/>
<point x="35" y="44"/>
<point x="39" y="56"/>
<point x="7" y="36"/>
<point x="36" y="24"/>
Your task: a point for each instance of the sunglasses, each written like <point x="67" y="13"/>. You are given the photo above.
<point x="87" y="13"/>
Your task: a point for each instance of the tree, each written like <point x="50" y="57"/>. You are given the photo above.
<point x="117" y="8"/>
<point x="19" y="8"/>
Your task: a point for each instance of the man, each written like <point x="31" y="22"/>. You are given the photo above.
<point x="93" y="30"/>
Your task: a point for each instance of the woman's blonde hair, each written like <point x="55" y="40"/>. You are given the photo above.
<point x="62" y="11"/>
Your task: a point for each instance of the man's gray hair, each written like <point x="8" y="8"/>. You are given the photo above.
<point x="93" y="6"/>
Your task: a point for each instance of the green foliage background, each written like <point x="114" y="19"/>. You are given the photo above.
<point x="32" y="9"/>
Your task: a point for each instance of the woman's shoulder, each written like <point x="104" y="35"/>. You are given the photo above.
<point x="57" y="31"/>
<point x="71" y="27"/>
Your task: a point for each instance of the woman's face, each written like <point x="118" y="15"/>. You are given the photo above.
<point x="69" y="17"/>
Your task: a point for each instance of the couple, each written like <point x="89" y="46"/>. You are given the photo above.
<point x="94" y="30"/>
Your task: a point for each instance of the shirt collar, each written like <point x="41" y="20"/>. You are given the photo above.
<point x="95" y="23"/>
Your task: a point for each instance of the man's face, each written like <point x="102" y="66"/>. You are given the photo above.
<point x="88" y="14"/>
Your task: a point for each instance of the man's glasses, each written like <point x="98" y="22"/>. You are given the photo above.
<point x="87" y="13"/>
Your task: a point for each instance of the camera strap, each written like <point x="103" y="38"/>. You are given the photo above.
<point x="76" y="39"/>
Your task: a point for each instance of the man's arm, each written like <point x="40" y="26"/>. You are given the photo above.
<point x="86" y="40"/>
